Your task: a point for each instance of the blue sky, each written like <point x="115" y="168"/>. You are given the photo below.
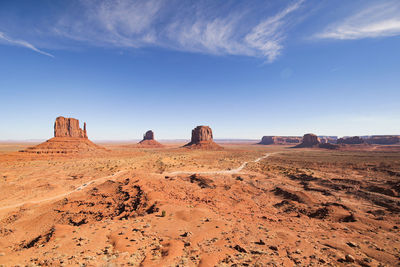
<point x="246" y="68"/>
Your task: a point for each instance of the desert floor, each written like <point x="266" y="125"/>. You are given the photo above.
<point x="247" y="205"/>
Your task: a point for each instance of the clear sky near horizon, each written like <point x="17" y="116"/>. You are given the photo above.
<point x="245" y="68"/>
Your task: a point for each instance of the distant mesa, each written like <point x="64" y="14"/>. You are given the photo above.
<point x="148" y="141"/>
<point x="383" y="139"/>
<point x="202" y="138"/>
<point x="68" y="138"/>
<point x="280" y="140"/>
<point x="355" y="140"/>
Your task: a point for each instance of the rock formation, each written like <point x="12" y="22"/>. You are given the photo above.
<point x="383" y="139"/>
<point x="148" y="141"/>
<point x="280" y="140"/>
<point x="68" y="138"/>
<point x="309" y="140"/>
<point x="149" y="135"/>
<point x="202" y="137"/>
<point x="355" y="140"/>
<point x="69" y="127"/>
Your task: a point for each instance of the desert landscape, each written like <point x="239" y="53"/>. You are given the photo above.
<point x="68" y="201"/>
<point x="199" y="133"/>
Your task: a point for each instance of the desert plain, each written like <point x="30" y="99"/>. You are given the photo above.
<point x="243" y="205"/>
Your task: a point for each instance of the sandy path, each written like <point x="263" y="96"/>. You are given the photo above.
<point x="233" y="171"/>
<point x="79" y="188"/>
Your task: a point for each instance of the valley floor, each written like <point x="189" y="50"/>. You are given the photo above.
<point x="246" y="205"/>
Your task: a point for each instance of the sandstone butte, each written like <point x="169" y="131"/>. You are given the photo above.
<point x="148" y="141"/>
<point x="202" y="138"/>
<point x="68" y="138"/>
<point x="309" y="140"/>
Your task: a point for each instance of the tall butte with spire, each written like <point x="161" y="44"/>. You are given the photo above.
<point x="68" y="138"/>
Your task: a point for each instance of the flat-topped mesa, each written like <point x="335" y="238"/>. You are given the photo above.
<point x="355" y="140"/>
<point x="69" y="127"/>
<point x="383" y="139"/>
<point x="148" y="141"/>
<point x="149" y="135"/>
<point x="280" y="140"/>
<point x="202" y="137"/>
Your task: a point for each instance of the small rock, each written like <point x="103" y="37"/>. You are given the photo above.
<point x="186" y="234"/>
<point x="350" y="258"/>
<point x="367" y="260"/>
<point x="260" y="242"/>
<point x="273" y="248"/>
<point x="352" y="244"/>
<point x="240" y="249"/>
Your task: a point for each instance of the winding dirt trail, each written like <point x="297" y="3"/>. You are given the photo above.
<point x="232" y="171"/>
<point x="86" y="184"/>
<point x="79" y="188"/>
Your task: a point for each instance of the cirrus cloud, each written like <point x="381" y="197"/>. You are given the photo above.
<point x="381" y="19"/>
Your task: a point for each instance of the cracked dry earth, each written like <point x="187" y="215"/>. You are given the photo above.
<point x="297" y="207"/>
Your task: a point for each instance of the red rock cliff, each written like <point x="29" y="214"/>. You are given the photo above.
<point x="201" y="133"/>
<point x="69" y="127"/>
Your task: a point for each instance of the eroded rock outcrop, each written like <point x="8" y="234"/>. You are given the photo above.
<point x="148" y="141"/>
<point x="309" y="140"/>
<point x="68" y="138"/>
<point x="149" y="135"/>
<point x="202" y="137"/>
<point x="69" y="127"/>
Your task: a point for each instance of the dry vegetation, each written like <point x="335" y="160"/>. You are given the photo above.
<point x="124" y="207"/>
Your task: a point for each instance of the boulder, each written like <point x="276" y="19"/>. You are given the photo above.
<point x="202" y="137"/>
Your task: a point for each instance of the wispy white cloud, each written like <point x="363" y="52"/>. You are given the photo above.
<point x="379" y="20"/>
<point x="22" y="43"/>
<point x="171" y="24"/>
<point x="267" y="36"/>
